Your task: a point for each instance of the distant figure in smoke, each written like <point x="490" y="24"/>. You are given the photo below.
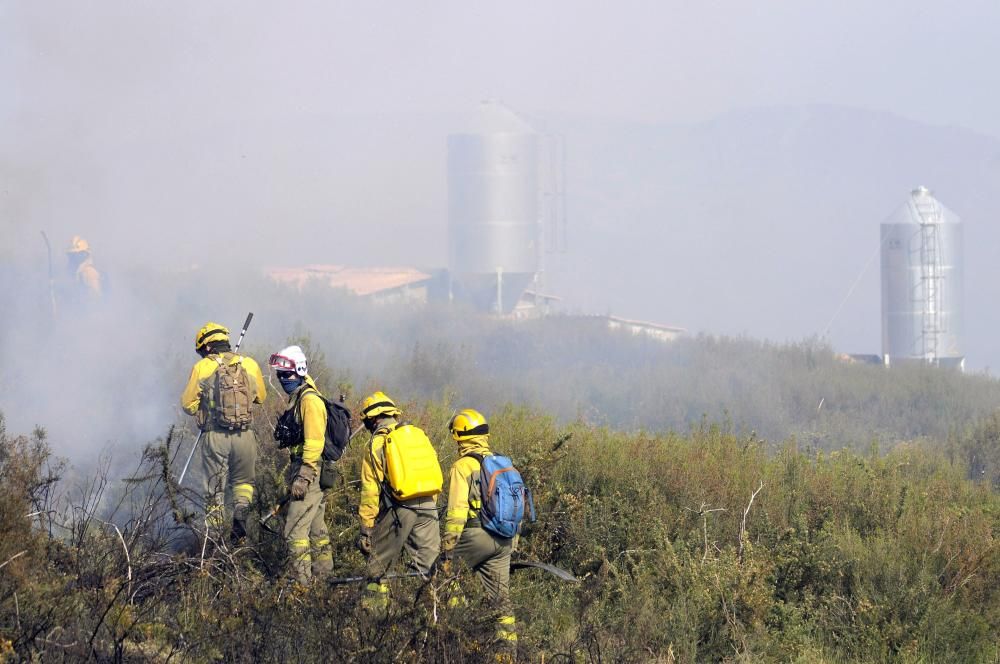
<point x="222" y="387"/>
<point x="82" y="270"/>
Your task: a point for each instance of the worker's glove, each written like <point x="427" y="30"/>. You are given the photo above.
<point x="364" y="541"/>
<point x="299" y="488"/>
<point x="300" y="485"/>
<point x="444" y="562"/>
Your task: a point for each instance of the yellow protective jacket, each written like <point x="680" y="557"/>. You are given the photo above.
<point x="88" y="277"/>
<point x="312" y="416"/>
<point x="205" y="368"/>
<point x="464" y="501"/>
<point x="373" y="473"/>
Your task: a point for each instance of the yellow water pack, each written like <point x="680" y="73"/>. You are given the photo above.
<point x="412" y="464"/>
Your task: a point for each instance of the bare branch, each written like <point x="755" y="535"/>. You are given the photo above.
<point x="204" y="545"/>
<point x="128" y="558"/>
<point x="15" y="556"/>
<point x="743" y="525"/>
<point x="704" y="511"/>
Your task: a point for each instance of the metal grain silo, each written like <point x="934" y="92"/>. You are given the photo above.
<point x="493" y="215"/>
<point x="922" y="299"/>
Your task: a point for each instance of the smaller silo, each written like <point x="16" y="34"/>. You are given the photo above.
<point x="922" y="289"/>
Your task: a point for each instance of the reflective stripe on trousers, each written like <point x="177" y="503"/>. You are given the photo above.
<point x="242" y="494"/>
<point x="321" y="549"/>
<point x="375" y="597"/>
<point x="507" y="628"/>
<point x="300" y="549"/>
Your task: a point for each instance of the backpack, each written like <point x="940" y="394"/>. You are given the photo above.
<point x="338" y="429"/>
<point x="412" y="468"/>
<point x="231" y="394"/>
<point x="504" y="495"/>
<point x="288" y="430"/>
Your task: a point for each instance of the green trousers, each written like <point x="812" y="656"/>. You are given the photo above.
<point x="412" y="526"/>
<point x="226" y="462"/>
<point x="489" y="557"/>
<point x="306" y="532"/>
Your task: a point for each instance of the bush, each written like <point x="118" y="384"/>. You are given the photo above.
<point x="708" y="545"/>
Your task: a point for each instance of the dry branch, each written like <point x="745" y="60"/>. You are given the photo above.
<point x="743" y="525"/>
<point x="14" y="557"/>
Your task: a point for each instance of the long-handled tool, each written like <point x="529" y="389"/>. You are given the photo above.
<point x="187" y="463"/>
<point x="358" y="579"/>
<point x="52" y="288"/>
<point x="180" y="480"/>
<point x="514" y="566"/>
<point x="273" y="513"/>
<point x="243" y="332"/>
<point x="551" y="569"/>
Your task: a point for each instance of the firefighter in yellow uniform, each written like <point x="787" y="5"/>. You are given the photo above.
<point x="81" y="265"/>
<point x="219" y="393"/>
<point x="303" y="430"/>
<point x="464" y="537"/>
<point x="388" y="525"/>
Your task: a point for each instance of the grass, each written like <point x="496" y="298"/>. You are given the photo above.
<point x="839" y="557"/>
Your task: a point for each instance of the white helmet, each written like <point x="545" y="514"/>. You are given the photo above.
<point x="289" y="359"/>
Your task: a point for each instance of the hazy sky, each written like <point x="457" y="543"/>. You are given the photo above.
<point x="314" y="131"/>
<point x="652" y="61"/>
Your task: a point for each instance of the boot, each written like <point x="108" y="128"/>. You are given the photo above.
<point x="239" y="532"/>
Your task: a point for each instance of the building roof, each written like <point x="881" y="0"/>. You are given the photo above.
<point x="645" y="324"/>
<point x="359" y="280"/>
<point x="531" y="294"/>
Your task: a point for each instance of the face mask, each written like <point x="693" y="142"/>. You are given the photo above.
<point x="290" y="384"/>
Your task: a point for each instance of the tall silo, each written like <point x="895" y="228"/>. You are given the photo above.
<point x="922" y="300"/>
<point x="493" y="211"/>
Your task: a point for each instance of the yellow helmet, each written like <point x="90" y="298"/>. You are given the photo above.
<point x="377" y="404"/>
<point x="78" y="245"/>
<point x="467" y="424"/>
<point x="210" y="333"/>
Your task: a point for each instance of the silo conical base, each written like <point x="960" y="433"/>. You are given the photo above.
<point x="480" y="290"/>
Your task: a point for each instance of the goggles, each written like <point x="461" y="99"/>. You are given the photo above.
<point x="281" y="363"/>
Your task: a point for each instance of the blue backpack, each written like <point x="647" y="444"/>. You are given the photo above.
<point x="504" y="495"/>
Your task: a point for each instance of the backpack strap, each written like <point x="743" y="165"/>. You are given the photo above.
<point x="298" y="403"/>
<point x="310" y="388"/>
<point x="475" y="455"/>
<point x="221" y="358"/>
<point x="306" y="390"/>
<point x="477" y="522"/>
<point x="384" y="431"/>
